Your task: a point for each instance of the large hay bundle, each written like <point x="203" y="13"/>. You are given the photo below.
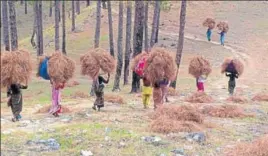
<point x="160" y="64"/>
<point x="60" y="68"/>
<point x="223" y="26"/>
<point x="238" y="65"/>
<point x="16" y="67"/>
<point x="210" y="23"/>
<point x="256" y="148"/>
<point x="95" y="60"/>
<point x="136" y="59"/>
<point x="199" y="97"/>
<point x="260" y="97"/>
<point x="199" y="66"/>
<point x="171" y="118"/>
<point x="225" y="111"/>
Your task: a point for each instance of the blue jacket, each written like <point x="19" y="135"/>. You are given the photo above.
<point x="43" y="70"/>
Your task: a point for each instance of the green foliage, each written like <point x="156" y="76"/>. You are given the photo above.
<point x="165" y="5"/>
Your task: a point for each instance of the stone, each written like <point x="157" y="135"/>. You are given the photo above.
<point x="151" y="139"/>
<point x="86" y="153"/>
<point x="178" y="151"/>
<point x="107" y="130"/>
<point x="122" y="144"/>
<point x="199" y="137"/>
<point x="44" y="145"/>
<point x="163" y="154"/>
<point x="107" y="138"/>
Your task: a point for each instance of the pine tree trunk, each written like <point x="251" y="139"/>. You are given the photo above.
<point x="155" y="20"/>
<point x="25" y="7"/>
<point x="59" y="12"/>
<point x="21" y="2"/>
<point x="39" y="20"/>
<point x="128" y="46"/>
<point x="50" y="9"/>
<point x="146" y="44"/>
<point x="78" y="7"/>
<point x="13" y="26"/>
<point x="88" y="3"/>
<point x="63" y="29"/>
<point x="111" y="39"/>
<point x="73" y="16"/>
<point x="57" y="38"/>
<point x="104" y="4"/>
<point x="181" y="37"/>
<point x="98" y="22"/>
<point x="119" y="48"/>
<point x="157" y="27"/>
<point x="35" y="7"/>
<point x="137" y="40"/>
<point x="5" y="25"/>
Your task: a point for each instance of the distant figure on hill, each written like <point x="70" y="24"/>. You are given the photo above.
<point x="222" y="37"/>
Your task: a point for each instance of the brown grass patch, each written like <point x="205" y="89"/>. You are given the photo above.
<point x="114" y="99"/>
<point x="79" y="94"/>
<point x="171" y="118"/>
<point x="209" y="22"/>
<point x="225" y="111"/>
<point x="237" y="99"/>
<point x="260" y="97"/>
<point x="199" y="66"/>
<point x="45" y="109"/>
<point x="256" y="148"/>
<point x="172" y="92"/>
<point x="160" y="64"/>
<point x="199" y="97"/>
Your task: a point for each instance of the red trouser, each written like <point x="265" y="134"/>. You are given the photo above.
<point x="200" y="86"/>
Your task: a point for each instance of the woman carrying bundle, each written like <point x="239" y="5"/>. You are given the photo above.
<point x="200" y="68"/>
<point x="223" y="27"/>
<point x="232" y="68"/>
<point x="15" y="100"/>
<point x="56" y="86"/>
<point x="98" y="89"/>
<point x="210" y="23"/>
